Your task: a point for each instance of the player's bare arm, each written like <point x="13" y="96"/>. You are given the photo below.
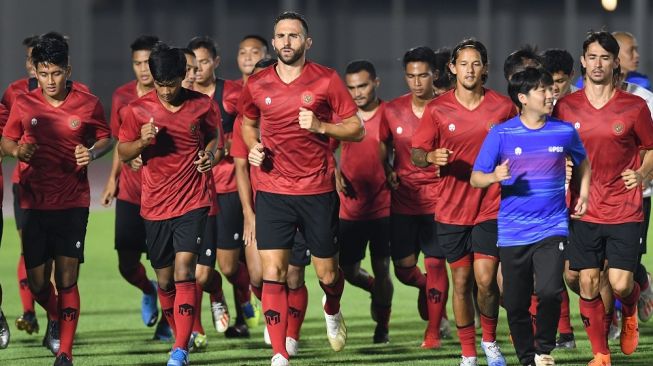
<point x="84" y="155"/>
<point x="422" y="159"/>
<point x="251" y="135"/>
<point x="350" y="129"/>
<point x="633" y="178"/>
<point x="208" y="157"/>
<point x="390" y="174"/>
<point x="246" y="200"/>
<point x="484" y="180"/>
<point x="585" y="172"/>
<point x="22" y="152"/>
<point x="110" y="188"/>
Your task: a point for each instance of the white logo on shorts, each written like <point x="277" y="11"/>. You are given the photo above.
<point x="268" y="100"/>
<point x="236" y="236"/>
<point x="577" y="125"/>
<point x="208" y="252"/>
<point x="452" y="127"/>
<point x="34" y="121"/>
<point x="518" y="150"/>
<point x="335" y="240"/>
<point x="308" y="252"/>
<point x="78" y="245"/>
<point x="400" y="130"/>
<point x="199" y="240"/>
<point x="561" y="246"/>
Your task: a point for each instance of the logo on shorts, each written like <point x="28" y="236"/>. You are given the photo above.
<point x="78" y="245"/>
<point x="307" y="98"/>
<point x="586" y="321"/>
<point x="308" y="252"/>
<point x="236" y="236"/>
<point x="561" y="246"/>
<point x="577" y="125"/>
<point x="400" y="130"/>
<point x="186" y="309"/>
<point x="34" y="121"/>
<point x="208" y="252"/>
<point x="74" y="122"/>
<point x="199" y="240"/>
<point x="518" y="151"/>
<point x="434" y="295"/>
<point x="272" y="317"/>
<point x="268" y="100"/>
<point x="618" y="128"/>
<point x="68" y="314"/>
<point x="452" y="127"/>
<point x="295" y="313"/>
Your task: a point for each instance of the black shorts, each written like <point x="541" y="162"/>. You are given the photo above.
<point x="591" y="244"/>
<point x="208" y="249"/>
<point x="354" y="236"/>
<point x="130" y="228"/>
<point x="165" y="238"/>
<point x="484" y="238"/>
<point x="455" y="240"/>
<point x="279" y="215"/>
<point x="53" y="233"/>
<point x="410" y="234"/>
<point x="646" y="207"/>
<point x="18" y="212"/>
<point x="230" y="221"/>
<point x="300" y="255"/>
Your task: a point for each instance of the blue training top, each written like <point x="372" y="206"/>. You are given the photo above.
<point x="533" y="205"/>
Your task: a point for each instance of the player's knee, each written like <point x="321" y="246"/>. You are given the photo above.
<point x="622" y="288"/>
<point x="183" y="273"/>
<point x="572" y="278"/>
<point x="486" y="283"/>
<point x="126" y="270"/>
<point x="228" y="268"/>
<point x="166" y="284"/>
<point x="202" y="277"/>
<point x="328" y="278"/>
<point x="277" y="274"/>
<point x="589" y="285"/>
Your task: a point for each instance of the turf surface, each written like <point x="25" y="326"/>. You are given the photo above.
<point x="111" y="332"/>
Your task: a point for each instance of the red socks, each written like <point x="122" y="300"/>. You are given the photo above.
<point x="437" y="291"/>
<point x="184" y="312"/>
<point x="297" y="304"/>
<point x="48" y="300"/>
<point x="68" y="318"/>
<point x="167" y="301"/>
<point x="240" y="280"/>
<point x="26" y="297"/>
<point x="197" y="317"/>
<point x="467" y="336"/>
<point x="257" y="291"/>
<point x="138" y="278"/>
<point x="489" y="328"/>
<point x="411" y="276"/>
<point x="629" y="303"/>
<point x="564" y="325"/>
<point x="275" y="310"/>
<point x="333" y="294"/>
<point x="592" y="312"/>
<point x="215" y="288"/>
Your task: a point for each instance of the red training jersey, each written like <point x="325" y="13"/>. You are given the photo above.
<point x="448" y="124"/>
<point x="52" y="180"/>
<point x="360" y="165"/>
<point x="416" y="194"/>
<point x="224" y="174"/>
<point x="172" y="186"/>
<point x="297" y="161"/>
<point x="4" y="115"/>
<point x="612" y="135"/>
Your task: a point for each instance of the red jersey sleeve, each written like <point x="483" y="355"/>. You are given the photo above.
<point x="14" y="128"/>
<point x="99" y="128"/>
<point x="644" y="128"/>
<point x="247" y="106"/>
<point x="339" y="98"/>
<point x="130" y="129"/>
<point x="426" y="135"/>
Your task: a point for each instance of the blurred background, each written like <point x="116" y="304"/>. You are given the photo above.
<point x="100" y="31"/>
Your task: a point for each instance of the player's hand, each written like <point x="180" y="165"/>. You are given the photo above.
<point x="204" y="162"/>
<point x="249" y="229"/>
<point x="82" y="155"/>
<point x="580" y="209"/>
<point x="341" y="183"/>
<point x="256" y="155"/>
<point x="569" y="167"/>
<point x="631" y="178"/>
<point x="25" y="151"/>
<point x="109" y="192"/>
<point x="136" y="163"/>
<point x="502" y="172"/>
<point x="440" y="157"/>
<point x="308" y="121"/>
<point x="392" y="179"/>
<point x="148" y="132"/>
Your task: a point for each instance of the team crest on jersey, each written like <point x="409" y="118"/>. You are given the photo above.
<point x="490" y="125"/>
<point x="618" y="128"/>
<point x="577" y="125"/>
<point x="452" y="127"/>
<point x="518" y="151"/>
<point x="268" y="100"/>
<point x="74" y="122"/>
<point x="193" y="129"/>
<point x="308" y="98"/>
<point x="34" y="121"/>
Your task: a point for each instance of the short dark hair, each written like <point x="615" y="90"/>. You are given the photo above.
<point x="525" y="80"/>
<point x="30" y="41"/>
<point x="474" y="44"/>
<point x="292" y="16"/>
<point x="263" y="41"/>
<point x="265" y="62"/>
<point x="144" y="43"/>
<point x="605" y="40"/>
<point x="558" y="60"/>
<point x="167" y="63"/>
<point x="357" y="66"/>
<point x="56" y="36"/>
<point x="420" y="54"/>
<point x="188" y="52"/>
<point x="204" y="42"/>
<point x="442" y="57"/>
<point x="516" y="60"/>
<point x="52" y="51"/>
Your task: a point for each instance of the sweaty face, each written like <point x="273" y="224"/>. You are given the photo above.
<point x="141" y="67"/>
<point x="561" y="84"/>
<point x="628" y="54"/>
<point x="469" y="69"/>
<point x="250" y="51"/>
<point x="169" y="90"/>
<point x="290" y="41"/>
<point x="206" y="65"/>
<point x="191" y="70"/>
<point x="599" y="64"/>
<point x="419" y="78"/>
<point x="52" y="79"/>
<point x="362" y="88"/>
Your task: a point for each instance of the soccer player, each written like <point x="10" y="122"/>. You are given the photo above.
<point x="629" y="59"/>
<point x="520" y="59"/>
<point x="560" y="64"/>
<point x="450" y="135"/>
<point x="442" y="83"/>
<point x="251" y="49"/>
<point x="5" y="334"/>
<point x="610" y="123"/>
<point x="48" y="130"/>
<point x="291" y="105"/>
<point x="175" y="131"/>
<point x="191" y="69"/>
<point x="365" y="200"/>
<point x="412" y="202"/>
<point x="527" y="156"/>
<point x="124" y="184"/>
<point x="229" y="219"/>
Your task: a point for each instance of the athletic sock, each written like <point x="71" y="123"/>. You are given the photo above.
<point x="592" y="312"/>
<point x="184" y="310"/>
<point x="138" y="278"/>
<point x="564" y="324"/>
<point x="215" y="288"/>
<point x="297" y="304"/>
<point x="489" y="328"/>
<point x="48" y="301"/>
<point x="333" y="294"/>
<point x="68" y="318"/>
<point x="240" y="280"/>
<point x="411" y="276"/>
<point x="275" y="309"/>
<point x="629" y="303"/>
<point x="257" y="291"/>
<point x="467" y="336"/>
<point x="26" y="297"/>
<point x="197" y="315"/>
<point x="167" y="301"/>
<point x="437" y="290"/>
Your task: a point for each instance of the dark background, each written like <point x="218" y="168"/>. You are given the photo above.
<point x="380" y="30"/>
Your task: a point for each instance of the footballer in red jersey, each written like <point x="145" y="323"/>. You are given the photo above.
<point x="450" y="135"/>
<point x="48" y="130"/>
<point x="611" y="123"/>
<point x="289" y="107"/>
<point x="4" y="327"/>
<point x="176" y="132"/>
<point x="365" y="200"/>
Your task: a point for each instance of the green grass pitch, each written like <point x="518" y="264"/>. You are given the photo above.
<point x="111" y="332"/>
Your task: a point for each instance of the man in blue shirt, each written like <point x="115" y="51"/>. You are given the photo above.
<point x="526" y="155"/>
